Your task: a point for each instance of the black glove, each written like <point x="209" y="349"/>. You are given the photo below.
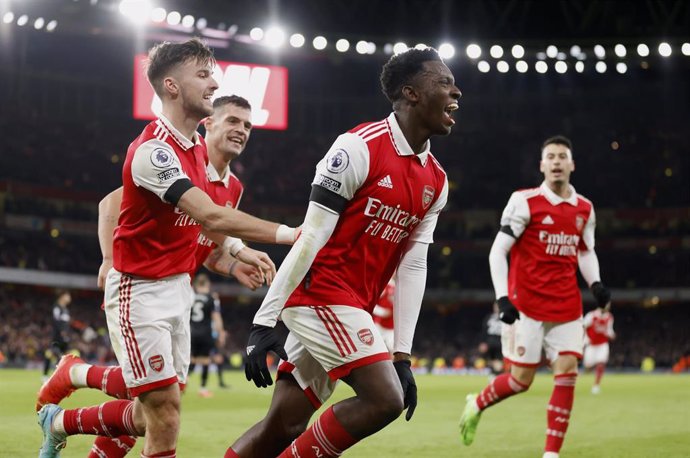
<point x="262" y="339"/>
<point x="601" y="293"/>
<point x="402" y="368"/>
<point x="507" y="311"/>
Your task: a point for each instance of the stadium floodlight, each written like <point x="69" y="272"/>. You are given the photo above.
<point x="256" y="34"/>
<point x="342" y="45"/>
<point x="188" y="21"/>
<point x="600" y="66"/>
<point x="201" y="23"/>
<point x="399" y="47"/>
<point x="620" y="50"/>
<point x="23" y="19"/>
<point x="496" y="52"/>
<point x="297" y="40"/>
<point x="473" y="51"/>
<point x="551" y="51"/>
<point x="643" y="50"/>
<point x="319" y="43"/>
<point x="521" y="66"/>
<point x="561" y="67"/>
<point x="541" y="55"/>
<point x="446" y="51"/>
<point x="8" y="17"/>
<point x="621" y="67"/>
<point x="541" y="66"/>
<point x="664" y="49"/>
<point x="371" y="47"/>
<point x="232" y="30"/>
<point x="483" y="66"/>
<point x="502" y="66"/>
<point x="685" y="49"/>
<point x="579" y="66"/>
<point x="174" y="18"/>
<point x="388" y="48"/>
<point x="599" y="51"/>
<point x="137" y="11"/>
<point x="518" y="51"/>
<point x="52" y="25"/>
<point x="575" y="51"/>
<point x="158" y="14"/>
<point x="275" y="37"/>
<point x="39" y="23"/>
<point x="362" y="47"/>
<point x="420" y="46"/>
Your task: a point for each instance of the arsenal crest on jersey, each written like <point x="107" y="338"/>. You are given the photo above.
<point x="157" y="363"/>
<point x="427" y="196"/>
<point x="579" y="222"/>
<point x="365" y="336"/>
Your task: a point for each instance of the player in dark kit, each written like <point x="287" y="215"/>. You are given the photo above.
<point x="60" y="339"/>
<point x="206" y="322"/>
<point x="491" y="346"/>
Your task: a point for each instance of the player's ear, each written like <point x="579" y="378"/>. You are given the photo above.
<point x="171" y="86"/>
<point x="572" y="168"/>
<point x="542" y="168"/>
<point x="208" y="123"/>
<point x="410" y="94"/>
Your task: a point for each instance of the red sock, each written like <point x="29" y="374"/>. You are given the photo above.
<point x="230" y="453"/>
<point x="112" y="447"/>
<point x="326" y="438"/>
<point x="503" y="386"/>
<point x="558" y="412"/>
<point x="112" y="418"/>
<point x="598" y="373"/>
<point x="166" y="454"/>
<point x="109" y="380"/>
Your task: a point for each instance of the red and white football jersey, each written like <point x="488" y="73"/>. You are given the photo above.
<point x="383" y="312"/>
<point x="599" y="326"/>
<point x="226" y="192"/>
<point x="550" y="230"/>
<point x="154" y="239"/>
<point x="391" y="196"/>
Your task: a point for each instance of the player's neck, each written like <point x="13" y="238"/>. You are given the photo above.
<point x="219" y="163"/>
<point x="560" y="188"/>
<point x="415" y="135"/>
<point x="182" y="121"/>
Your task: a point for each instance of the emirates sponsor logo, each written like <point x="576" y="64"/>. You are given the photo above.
<point x="389" y="223"/>
<point x="560" y="244"/>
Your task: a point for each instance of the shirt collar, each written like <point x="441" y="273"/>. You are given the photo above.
<point x="555" y="199"/>
<point x="213" y="176"/>
<point x="180" y="139"/>
<point x="400" y="142"/>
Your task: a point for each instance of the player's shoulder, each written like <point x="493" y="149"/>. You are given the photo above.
<point x="369" y="130"/>
<point x="436" y="164"/>
<point x="582" y="200"/>
<point x="528" y="193"/>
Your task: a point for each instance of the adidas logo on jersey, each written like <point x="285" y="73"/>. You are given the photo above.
<point x="547" y="220"/>
<point x="386" y="182"/>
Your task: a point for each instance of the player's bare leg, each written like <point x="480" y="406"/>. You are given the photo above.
<point x="560" y="404"/>
<point x="286" y="419"/>
<point x="161" y="410"/>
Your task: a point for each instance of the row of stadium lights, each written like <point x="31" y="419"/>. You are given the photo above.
<point x="22" y="20"/>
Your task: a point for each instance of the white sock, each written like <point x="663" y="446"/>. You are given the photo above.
<point x="58" y="423"/>
<point x="550" y="455"/>
<point x="77" y="375"/>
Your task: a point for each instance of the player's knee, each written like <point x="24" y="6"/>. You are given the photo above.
<point x="388" y="408"/>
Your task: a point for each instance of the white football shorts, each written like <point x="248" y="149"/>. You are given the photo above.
<point x="523" y="341"/>
<point x="326" y="343"/>
<point x="148" y="323"/>
<point x="596" y="354"/>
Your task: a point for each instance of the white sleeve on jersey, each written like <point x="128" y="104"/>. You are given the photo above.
<point x="588" y="319"/>
<point x="588" y="263"/>
<point x="609" y="330"/>
<point x="424" y="232"/>
<point x="516" y="214"/>
<point x="410" y="279"/>
<point x="345" y="166"/>
<point x="588" y="232"/>
<point x="155" y="167"/>
<point x="498" y="263"/>
<point x="319" y="224"/>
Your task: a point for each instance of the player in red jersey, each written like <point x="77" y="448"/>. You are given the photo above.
<point x="148" y="293"/>
<point x="374" y="204"/>
<point x="227" y="132"/>
<point x="599" y="329"/>
<point x="383" y="314"/>
<point x="548" y="232"/>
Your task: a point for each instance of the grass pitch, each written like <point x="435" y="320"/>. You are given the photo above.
<point x="634" y="416"/>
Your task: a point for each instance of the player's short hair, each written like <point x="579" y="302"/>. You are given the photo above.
<point x="402" y="68"/>
<point x="558" y="140"/>
<point x="201" y="280"/>
<point x="165" y="56"/>
<point x="236" y="100"/>
<point x="59" y="292"/>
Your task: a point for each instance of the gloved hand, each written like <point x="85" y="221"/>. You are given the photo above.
<point x="262" y="339"/>
<point x="507" y="311"/>
<point x="601" y="293"/>
<point x="402" y="368"/>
